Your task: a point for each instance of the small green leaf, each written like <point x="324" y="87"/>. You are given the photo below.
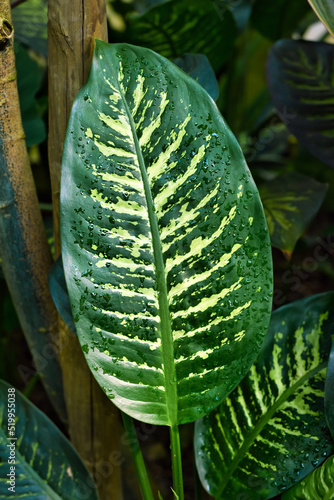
<point x="271" y="431"/>
<point x="30" y="24"/>
<point x="199" y="68"/>
<point x="318" y="485"/>
<point x="46" y="464"/>
<point x="172" y="29"/>
<point x="300" y="80"/>
<point x="165" y="247"/>
<point x="278" y="18"/>
<point x="290" y="202"/>
<point x="325" y="11"/>
<point x="28" y="83"/>
<point x="329" y="393"/>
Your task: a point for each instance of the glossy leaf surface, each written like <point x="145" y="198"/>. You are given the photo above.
<point x="300" y="79"/>
<point x="329" y="393"/>
<point x="271" y="431"/>
<point x="290" y="202"/>
<point x="199" y="68"/>
<point x="278" y="18"/>
<point x="172" y="29"/>
<point x="59" y="293"/>
<point x="47" y="465"/>
<point x="318" y="485"/>
<point x="161" y="229"/>
<point x="325" y="11"/>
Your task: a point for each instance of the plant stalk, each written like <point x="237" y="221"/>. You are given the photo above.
<point x="137" y="456"/>
<point x="176" y="462"/>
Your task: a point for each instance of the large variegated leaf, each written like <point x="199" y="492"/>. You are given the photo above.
<point x="300" y="79"/>
<point x="325" y="11"/>
<point x="329" y="393"/>
<point x="271" y="431"/>
<point x="318" y="485"/>
<point x="290" y="202"/>
<point x="173" y="27"/>
<point x="165" y="247"/>
<point x="46" y="466"/>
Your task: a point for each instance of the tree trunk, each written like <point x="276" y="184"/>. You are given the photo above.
<point x="24" y="252"/>
<point x="93" y="419"/>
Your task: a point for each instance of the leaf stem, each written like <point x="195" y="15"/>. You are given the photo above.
<point x="176" y="462"/>
<point x="137" y="456"/>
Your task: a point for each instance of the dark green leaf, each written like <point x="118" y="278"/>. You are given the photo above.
<point x="28" y="82"/>
<point x="30" y="24"/>
<point x="199" y="68"/>
<point x="329" y="393"/>
<point x="278" y="18"/>
<point x="318" y="485"/>
<point x="271" y="431"/>
<point x="59" y="293"/>
<point x="142" y="6"/>
<point x="325" y="11"/>
<point x="46" y="464"/>
<point x="290" y="202"/>
<point x="172" y="29"/>
<point x="300" y="79"/>
<point x="161" y="228"/>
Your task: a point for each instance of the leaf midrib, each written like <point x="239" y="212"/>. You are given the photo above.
<point x="31" y="472"/>
<point x="166" y="330"/>
<point x="262" y="423"/>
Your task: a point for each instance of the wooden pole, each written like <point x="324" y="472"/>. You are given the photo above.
<point x="24" y="252"/>
<point x="93" y="419"/>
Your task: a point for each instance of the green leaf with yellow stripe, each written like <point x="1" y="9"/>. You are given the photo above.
<point x="271" y="431"/>
<point x="318" y="485"/>
<point x="36" y="460"/>
<point x="165" y="247"/>
<point x="325" y="11"/>
<point x="300" y="80"/>
<point x="173" y="27"/>
<point x="290" y="202"/>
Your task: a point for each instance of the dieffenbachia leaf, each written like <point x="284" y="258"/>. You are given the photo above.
<point x="300" y="80"/>
<point x="325" y="11"/>
<point x="290" y="202"/>
<point x="278" y="18"/>
<point x="30" y="24"/>
<point x="199" y="68"/>
<point x="329" y="393"/>
<point x="271" y="431"/>
<point x="165" y="247"/>
<point x="172" y="29"/>
<point x="59" y="293"/>
<point x="318" y="485"/>
<point x="46" y="465"/>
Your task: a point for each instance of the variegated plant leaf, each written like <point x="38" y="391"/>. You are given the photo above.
<point x="300" y="80"/>
<point x="172" y="29"/>
<point x="329" y="393"/>
<point x="290" y="202"/>
<point x="199" y="68"/>
<point x="40" y="459"/>
<point x="325" y="11"/>
<point x="271" y="431"/>
<point x="165" y="247"/>
<point x="318" y="485"/>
